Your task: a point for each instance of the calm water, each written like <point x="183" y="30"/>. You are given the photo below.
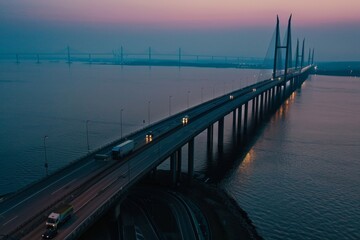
<point x="300" y="179"/>
<point x="55" y="100"/>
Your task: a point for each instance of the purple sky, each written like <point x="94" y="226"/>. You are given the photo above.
<point x="228" y="27"/>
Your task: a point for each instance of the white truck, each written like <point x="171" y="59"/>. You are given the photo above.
<point x="59" y="216"/>
<point x="122" y="149"/>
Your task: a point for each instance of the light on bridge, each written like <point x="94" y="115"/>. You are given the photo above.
<point x="185" y="120"/>
<point x="149" y="137"/>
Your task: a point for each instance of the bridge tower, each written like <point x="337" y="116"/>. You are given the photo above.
<point x="68" y="54"/>
<point x="278" y="47"/>
<point x="297" y="54"/>
<point x="312" y="58"/>
<point x="302" y="54"/>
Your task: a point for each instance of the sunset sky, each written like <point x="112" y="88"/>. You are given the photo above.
<point x="228" y="27"/>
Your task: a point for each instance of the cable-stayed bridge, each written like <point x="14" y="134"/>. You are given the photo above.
<point x="94" y="189"/>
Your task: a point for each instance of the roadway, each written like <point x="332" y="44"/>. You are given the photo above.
<point x="92" y="185"/>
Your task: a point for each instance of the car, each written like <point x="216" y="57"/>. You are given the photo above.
<point x="149" y="136"/>
<point x="185" y="120"/>
<point x="49" y="233"/>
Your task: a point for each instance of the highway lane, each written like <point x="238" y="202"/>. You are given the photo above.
<point x="63" y="186"/>
<point x="26" y="208"/>
<point x="159" y="151"/>
<point x="136" y="171"/>
<point x="139" y="161"/>
<point x="147" y="159"/>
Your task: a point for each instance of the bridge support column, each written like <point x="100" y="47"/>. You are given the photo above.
<point x="261" y="107"/>
<point x="221" y="133"/>
<point x="265" y="104"/>
<point x="256" y="110"/>
<point x="246" y="120"/>
<point x="285" y="93"/>
<point x="173" y="168"/>
<point x="273" y="101"/>
<point x="179" y="165"/>
<point x="210" y="137"/>
<point x="117" y="211"/>
<point x="234" y="121"/>
<point x="269" y="103"/>
<point x="239" y="124"/>
<point x="278" y="96"/>
<point x="253" y="109"/>
<point x="191" y="159"/>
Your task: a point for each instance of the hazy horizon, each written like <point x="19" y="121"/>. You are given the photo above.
<point x="232" y="28"/>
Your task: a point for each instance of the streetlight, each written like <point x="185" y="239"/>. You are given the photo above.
<point x="170" y="105"/>
<point x="87" y="135"/>
<point x="121" y="110"/>
<point x="188" y="93"/>
<point x="149" y="112"/>
<point x="46" y="161"/>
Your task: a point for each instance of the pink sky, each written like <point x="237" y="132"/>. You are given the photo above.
<point x="230" y="27"/>
<point x="185" y="13"/>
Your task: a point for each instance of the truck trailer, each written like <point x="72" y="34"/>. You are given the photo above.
<point x="59" y="216"/>
<point x="122" y="149"/>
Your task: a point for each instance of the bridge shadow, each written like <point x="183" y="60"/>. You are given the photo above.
<point x="221" y="162"/>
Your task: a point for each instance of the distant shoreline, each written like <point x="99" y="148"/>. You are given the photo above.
<point x="346" y="69"/>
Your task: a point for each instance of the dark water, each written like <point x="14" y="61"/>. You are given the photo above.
<point x="300" y="179"/>
<point x="55" y="100"/>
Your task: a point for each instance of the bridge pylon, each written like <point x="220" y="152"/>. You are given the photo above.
<point x="278" y="47"/>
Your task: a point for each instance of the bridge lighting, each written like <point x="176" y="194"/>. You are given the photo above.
<point x="279" y="78"/>
<point x="149" y="137"/>
<point x="254" y="89"/>
<point x="185" y="120"/>
<point x="231" y="97"/>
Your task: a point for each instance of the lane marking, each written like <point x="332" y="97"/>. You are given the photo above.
<point x="43" y="189"/>
<point x="85" y="203"/>
<point x="63" y="186"/>
<point x="10" y="220"/>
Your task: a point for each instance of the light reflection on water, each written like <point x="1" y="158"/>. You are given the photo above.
<point x="300" y="180"/>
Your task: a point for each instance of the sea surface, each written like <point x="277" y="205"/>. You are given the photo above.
<point x="301" y="178"/>
<point x="56" y="107"/>
<point x="298" y="179"/>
